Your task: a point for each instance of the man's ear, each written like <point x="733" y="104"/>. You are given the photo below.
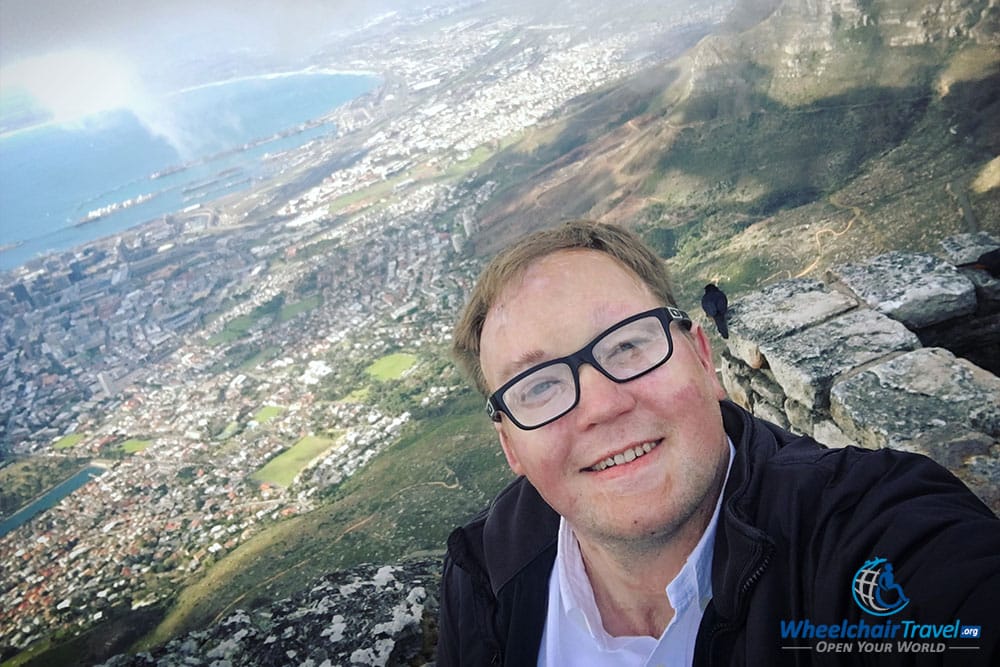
<point x="704" y="350"/>
<point x="508" y="450"/>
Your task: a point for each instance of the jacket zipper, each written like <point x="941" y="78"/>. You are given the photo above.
<point x="744" y="589"/>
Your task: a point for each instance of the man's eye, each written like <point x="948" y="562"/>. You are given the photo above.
<point x="624" y="347"/>
<point x="539" y="391"/>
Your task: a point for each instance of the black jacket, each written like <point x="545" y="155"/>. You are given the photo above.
<point x="797" y="522"/>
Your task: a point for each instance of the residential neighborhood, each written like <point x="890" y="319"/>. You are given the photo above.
<point x="178" y="334"/>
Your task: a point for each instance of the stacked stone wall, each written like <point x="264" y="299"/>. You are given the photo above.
<point x="902" y="351"/>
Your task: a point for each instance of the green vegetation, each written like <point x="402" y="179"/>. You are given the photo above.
<point x="662" y="239"/>
<point x="267" y="413"/>
<point x="359" y="395"/>
<point x="291" y="310"/>
<point x="368" y="195"/>
<point x="133" y="445"/>
<point x="392" y="366"/>
<point x="282" y="469"/>
<point x="274" y="310"/>
<point x="476" y="158"/>
<point x="233" y="330"/>
<point x="68" y="441"/>
<point x="229" y="430"/>
<point x="405" y="501"/>
<point x="259" y="357"/>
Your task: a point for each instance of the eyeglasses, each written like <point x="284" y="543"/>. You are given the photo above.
<point x="628" y="350"/>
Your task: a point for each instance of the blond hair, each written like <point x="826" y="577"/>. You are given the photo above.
<point x="621" y="244"/>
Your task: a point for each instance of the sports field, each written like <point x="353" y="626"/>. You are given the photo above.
<point x="391" y="367"/>
<point x="283" y="468"/>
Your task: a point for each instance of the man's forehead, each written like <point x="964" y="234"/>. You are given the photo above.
<point x="516" y="337"/>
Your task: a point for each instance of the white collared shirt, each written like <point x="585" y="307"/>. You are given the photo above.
<point x="575" y="635"/>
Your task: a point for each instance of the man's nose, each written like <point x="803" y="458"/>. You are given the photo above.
<point x="601" y="399"/>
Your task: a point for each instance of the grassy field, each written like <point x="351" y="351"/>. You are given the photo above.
<point x="283" y="468"/>
<point x="359" y="395"/>
<point x="369" y="194"/>
<point x="405" y="501"/>
<point x="267" y="413"/>
<point x="391" y="367"/>
<point x="289" y="311"/>
<point x="68" y="441"/>
<point x="133" y="445"/>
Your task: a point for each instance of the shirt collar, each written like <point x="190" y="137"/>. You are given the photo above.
<point x="692" y="583"/>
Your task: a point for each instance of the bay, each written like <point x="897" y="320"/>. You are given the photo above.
<point x="64" y="185"/>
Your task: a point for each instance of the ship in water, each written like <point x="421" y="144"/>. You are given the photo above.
<point x="104" y="211"/>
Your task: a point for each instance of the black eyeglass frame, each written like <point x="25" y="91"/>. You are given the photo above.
<point x="495" y="405"/>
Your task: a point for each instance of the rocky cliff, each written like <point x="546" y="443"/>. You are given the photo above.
<point x="898" y="351"/>
<point x="808" y="49"/>
<point x="367" y="615"/>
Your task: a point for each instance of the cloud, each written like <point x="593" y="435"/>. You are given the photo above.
<point x="34" y="27"/>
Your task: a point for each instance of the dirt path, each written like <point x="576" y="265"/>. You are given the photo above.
<point x="858" y="213"/>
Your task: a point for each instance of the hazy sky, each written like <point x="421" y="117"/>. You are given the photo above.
<point x="77" y="57"/>
<point x="35" y="27"/>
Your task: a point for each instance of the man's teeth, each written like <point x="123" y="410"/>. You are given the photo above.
<point x="627" y="456"/>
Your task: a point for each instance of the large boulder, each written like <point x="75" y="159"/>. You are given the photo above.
<point x="916" y="289"/>
<point x="368" y="615"/>
<point x="907" y="397"/>
<point x="806" y="364"/>
<point x="780" y="310"/>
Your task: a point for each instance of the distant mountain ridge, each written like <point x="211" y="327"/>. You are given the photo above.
<point x="889" y="107"/>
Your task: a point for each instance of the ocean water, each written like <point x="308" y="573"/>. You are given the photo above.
<point x="64" y="185"/>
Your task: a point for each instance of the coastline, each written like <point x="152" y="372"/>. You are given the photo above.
<point x="308" y="71"/>
<point x="201" y="86"/>
<point x="12" y="248"/>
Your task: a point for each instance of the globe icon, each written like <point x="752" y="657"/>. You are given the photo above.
<point x="875" y="591"/>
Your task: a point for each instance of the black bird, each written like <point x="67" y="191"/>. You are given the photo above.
<point x="990" y="262"/>
<point x="715" y="305"/>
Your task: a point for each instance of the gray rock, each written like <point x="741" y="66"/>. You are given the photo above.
<point x="916" y="289"/>
<point x="806" y="364"/>
<point x="800" y="418"/>
<point x="779" y="310"/>
<point x="368" y="615"/>
<point x="987" y="290"/>
<point x="771" y="413"/>
<point x="915" y="394"/>
<point x="736" y="379"/>
<point x="966" y="248"/>
<point x="766" y="387"/>
<point x="831" y="435"/>
<point x="972" y="456"/>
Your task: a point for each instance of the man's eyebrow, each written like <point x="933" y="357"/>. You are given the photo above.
<point x="523" y="362"/>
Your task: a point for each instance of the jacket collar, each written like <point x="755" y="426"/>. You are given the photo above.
<point x="521" y="527"/>
<point x="742" y="551"/>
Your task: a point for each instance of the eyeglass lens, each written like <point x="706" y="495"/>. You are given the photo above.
<point x="622" y="354"/>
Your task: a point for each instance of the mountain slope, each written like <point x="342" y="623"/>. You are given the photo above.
<point x="824" y="131"/>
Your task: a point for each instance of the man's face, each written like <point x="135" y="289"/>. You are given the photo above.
<point x="562" y="302"/>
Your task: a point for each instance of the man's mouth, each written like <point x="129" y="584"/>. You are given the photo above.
<point x="629" y="455"/>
